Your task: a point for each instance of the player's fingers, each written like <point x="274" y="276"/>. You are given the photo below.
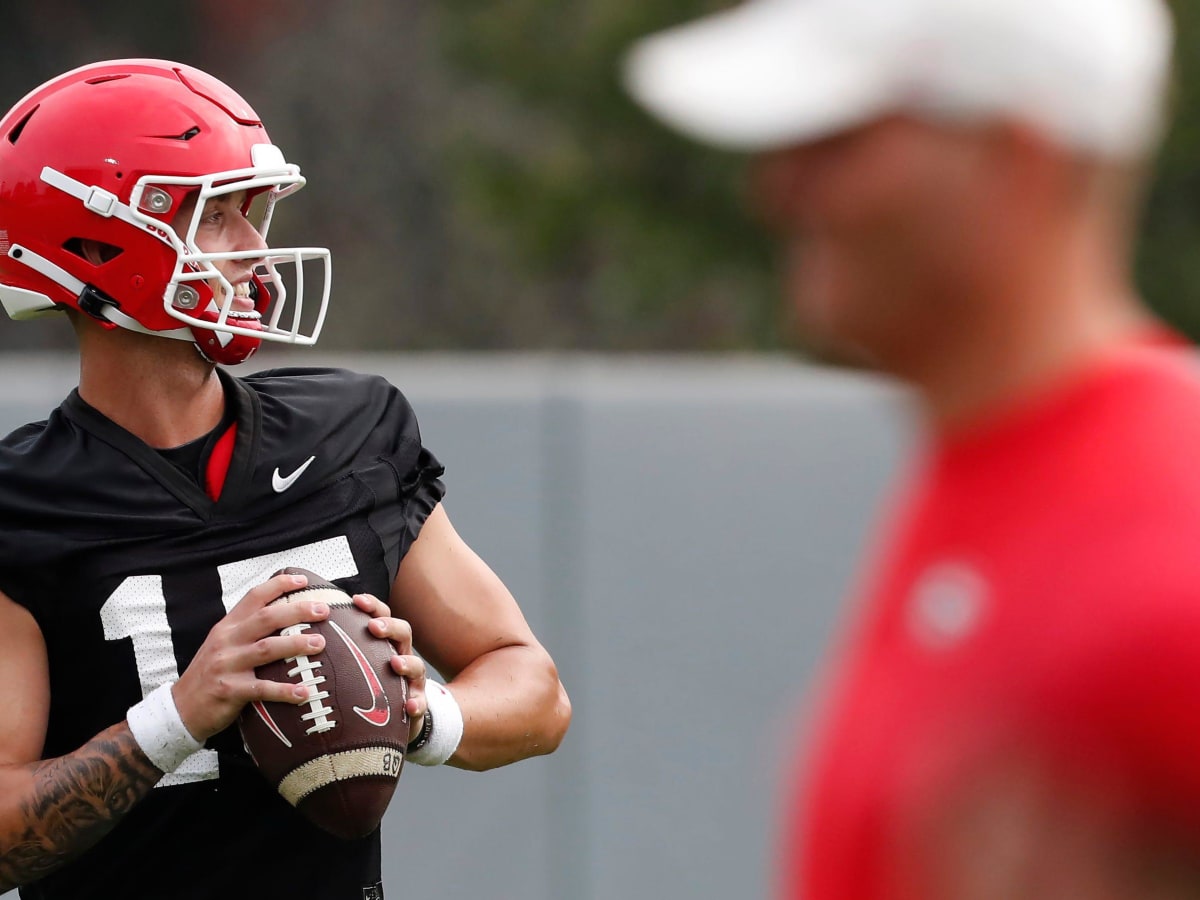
<point x="371" y="605"/>
<point x="275" y="617"/>
<point x="293" y="643"/>
<point x="247" y="636"/>
<point x="398" y="631"/>
<point x="265" y="691"/>
<point x="411" y="667"/>
<point x="284" y="646"/>
<point x="271" y="589"/>
<point x="278" y="616"/>
<point x="414" y="669"/>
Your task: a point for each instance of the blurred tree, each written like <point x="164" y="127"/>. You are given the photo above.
<point x="633" y="237"/>
<point x="485" y="183"/>
<point x="647" y="233"/>
<point x="41" y="40"/>
<point x="1169" y="258"/>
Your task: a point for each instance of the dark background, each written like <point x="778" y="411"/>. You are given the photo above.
<point x="485" y="184"/>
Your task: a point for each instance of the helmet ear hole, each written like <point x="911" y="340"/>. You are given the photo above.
<point x="95" y="252"/>
<point x="15" y="134"/>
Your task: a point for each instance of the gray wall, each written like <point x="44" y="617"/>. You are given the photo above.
<point x="680" y="533"/>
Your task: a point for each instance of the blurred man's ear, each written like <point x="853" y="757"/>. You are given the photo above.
<point x="1044" y="164"/>
<point x="1030" y="161"/>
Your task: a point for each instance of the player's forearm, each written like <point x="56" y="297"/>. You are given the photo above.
<point x="513" y="707"/>
<point x="55" y="809"/>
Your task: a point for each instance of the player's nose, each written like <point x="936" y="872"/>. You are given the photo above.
<point x="247" y="236"/>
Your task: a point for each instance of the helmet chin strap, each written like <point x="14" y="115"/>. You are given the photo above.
<point x="216" y="346"/>
<point x="237" y="349"/>
<point x="118" y="318"/>
<point x="227" y="347"/>
<point x="207" y="341"/>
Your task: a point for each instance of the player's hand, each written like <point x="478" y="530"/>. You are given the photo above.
<point x="221" y="680"/>
<point x="405" y="662"/>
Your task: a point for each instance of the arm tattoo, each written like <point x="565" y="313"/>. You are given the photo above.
<point x="73" y="801"/>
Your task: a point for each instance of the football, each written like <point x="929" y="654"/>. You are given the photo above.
<point x="337" y="757"/>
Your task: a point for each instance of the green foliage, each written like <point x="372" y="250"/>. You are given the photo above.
<point x="1169" y="257"/>
<point x="643" y="234"/>
<point x="485" y="182"/>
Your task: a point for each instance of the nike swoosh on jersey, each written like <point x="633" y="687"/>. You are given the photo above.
<point x="281" y="482"/>
<point x="378" y="713"/>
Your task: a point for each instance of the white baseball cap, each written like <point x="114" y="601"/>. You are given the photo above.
<point x="1092" y="74"/>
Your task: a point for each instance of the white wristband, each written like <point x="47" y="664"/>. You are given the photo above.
<point x="159" y="730"/>
<point x="447" y="728"/>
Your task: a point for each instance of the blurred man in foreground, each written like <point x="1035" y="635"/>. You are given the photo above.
<point x="1013" y="712"/>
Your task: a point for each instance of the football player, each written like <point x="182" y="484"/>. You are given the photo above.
<point x="957" y="184"/>
<point x="142" y="521"/>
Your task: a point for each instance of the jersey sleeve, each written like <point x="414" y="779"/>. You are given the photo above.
<point x="414" y="479"/>
<point x="363" y="425"/>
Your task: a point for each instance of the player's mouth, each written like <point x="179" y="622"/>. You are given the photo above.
<point x="243" y="302"/>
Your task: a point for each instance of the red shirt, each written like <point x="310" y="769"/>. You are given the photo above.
<point x="1059" y="538"/>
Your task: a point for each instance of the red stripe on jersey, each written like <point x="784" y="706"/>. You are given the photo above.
<point x="218" y="463"/>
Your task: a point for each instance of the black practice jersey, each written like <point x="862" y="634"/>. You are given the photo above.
<point x="126" y="563"/>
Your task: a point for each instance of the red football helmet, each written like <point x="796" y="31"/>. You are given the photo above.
<point x="94" y="167"/>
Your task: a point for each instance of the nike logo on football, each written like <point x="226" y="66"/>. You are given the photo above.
<point x="270" y="722"/>
<point x="281" y="482"/>
<point x="379" y="713"/>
